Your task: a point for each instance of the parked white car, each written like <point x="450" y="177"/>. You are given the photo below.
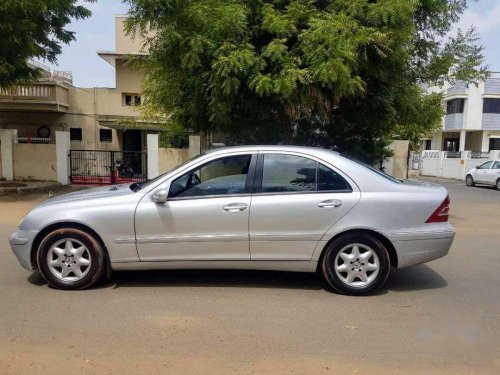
<point x="487" y="173"/>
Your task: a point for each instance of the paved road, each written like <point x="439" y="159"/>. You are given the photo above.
<point x="443" y="317"/>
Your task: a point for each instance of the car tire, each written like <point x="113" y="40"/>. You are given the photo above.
<point x="355" y="264"/>
<point x="498" y="184"/>
<point x="71" y="259"/>
<point x="469" y="181"/>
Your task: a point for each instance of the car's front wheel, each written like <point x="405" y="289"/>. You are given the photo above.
<point x="356" y="264"/>
<point x="469" y="181"/>
<point x="70" y="258"/>
<point x="498" y="184"/>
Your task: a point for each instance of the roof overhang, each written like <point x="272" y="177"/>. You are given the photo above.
<point x="112" y="56"/>
<point x="131" y="123"/>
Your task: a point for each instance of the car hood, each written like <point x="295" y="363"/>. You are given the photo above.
<point x="94" y="193"/>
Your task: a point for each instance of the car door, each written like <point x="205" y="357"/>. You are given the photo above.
<point x="205" y="216"/>
<point x="493" y="174"/>
<point x="481" y="175"/>
<point x="296" y="200"/>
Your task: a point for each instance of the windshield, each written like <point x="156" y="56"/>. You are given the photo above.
<point x="139" y="185"/>
<point x="379" y="172"/>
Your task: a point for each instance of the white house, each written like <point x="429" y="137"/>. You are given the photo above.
<point x="472" y="120"/>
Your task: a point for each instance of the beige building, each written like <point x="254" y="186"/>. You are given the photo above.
<point x="97" y="118"/>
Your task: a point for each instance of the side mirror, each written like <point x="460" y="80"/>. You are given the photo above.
<point x="160" y="196"/>
<point x="477" y="166"/>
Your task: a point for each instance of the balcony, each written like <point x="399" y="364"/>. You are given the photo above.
<point x="490" y="121"/>
<point x="38" y="97"/>
<point x="454" y="121"/>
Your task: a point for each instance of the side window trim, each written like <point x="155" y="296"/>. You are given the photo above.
<point x="249" y="183"/>
<point x="248" y="180"/>
<point x="259" y="172"/>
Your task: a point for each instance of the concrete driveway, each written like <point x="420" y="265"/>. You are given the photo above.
<point x="443" y="317"/>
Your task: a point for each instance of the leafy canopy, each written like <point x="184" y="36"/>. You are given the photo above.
<point x="33" y="29"/>
<point x="337" y="73"/>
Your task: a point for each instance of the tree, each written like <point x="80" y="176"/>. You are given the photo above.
<point x="33" y="29"/>
<point x="343" y="74"/>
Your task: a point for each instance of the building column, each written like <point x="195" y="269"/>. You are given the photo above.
<point x="63" y="145"/>
<point x="152" y="150"/>
<point x="485" y="142"/>
<point x="194" y="145"/>
<point x="7" y="151"/>
<point x="462" y="141"/>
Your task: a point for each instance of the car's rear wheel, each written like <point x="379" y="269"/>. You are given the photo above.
<point x="356" y="264"/>
<point x="469" y="181"/>
<point x="498" y="184"/>
<point x="70" y="258"/>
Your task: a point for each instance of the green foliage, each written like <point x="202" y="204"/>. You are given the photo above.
<point x="33" y="29"/>
<point x="342" y="74"/>
<point x="174" y="136"/>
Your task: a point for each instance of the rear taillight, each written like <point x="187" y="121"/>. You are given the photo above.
<point x="441" y="213"/>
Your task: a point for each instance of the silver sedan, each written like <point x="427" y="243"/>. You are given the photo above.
<point x="255" y="207"/>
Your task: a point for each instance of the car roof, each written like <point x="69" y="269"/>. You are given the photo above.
<point x="289" y="148"/>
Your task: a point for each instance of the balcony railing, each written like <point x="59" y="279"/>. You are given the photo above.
<point x="28" y="91"/>
<point x="46" y="96"/>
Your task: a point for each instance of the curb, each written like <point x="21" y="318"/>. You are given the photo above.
<point x="26" y="190"/>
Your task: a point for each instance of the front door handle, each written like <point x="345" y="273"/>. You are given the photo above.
<point x="235" y="207"/>
<point x="329" y="203"/>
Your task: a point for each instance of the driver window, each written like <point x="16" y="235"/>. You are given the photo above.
<point x="225" y="176"/>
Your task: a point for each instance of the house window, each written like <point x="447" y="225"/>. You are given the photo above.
<point x="494" y="144"/>
<point x="491" y="105"/>
<point x="455" y="106"/>
<point x="105" y="135"/>
<point x="75" y="134"/>
<point x="132" y="100"/>
<point x="428" y="144"/>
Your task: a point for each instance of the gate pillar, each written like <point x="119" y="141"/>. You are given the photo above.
<point x="152" y="155"/>
<point x="62" y="153"/>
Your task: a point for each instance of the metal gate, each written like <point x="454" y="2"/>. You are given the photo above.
<point x="107" y="167"/>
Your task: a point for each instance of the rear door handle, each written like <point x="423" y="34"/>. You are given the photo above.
<point x="330" y="203"/>
<point x="235" y="207"/>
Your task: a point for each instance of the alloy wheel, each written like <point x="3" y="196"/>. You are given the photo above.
<point x="357" y="265"/>
<point x="69" y="260"/>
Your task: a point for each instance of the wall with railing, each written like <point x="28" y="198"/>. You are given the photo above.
<point x="26" y="136"/>
<point x="453" y="165"/>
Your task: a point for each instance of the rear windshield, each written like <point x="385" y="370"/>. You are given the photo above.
<point x="374" y="170"/>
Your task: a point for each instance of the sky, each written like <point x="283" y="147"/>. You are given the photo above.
<point x="97" y="33"/>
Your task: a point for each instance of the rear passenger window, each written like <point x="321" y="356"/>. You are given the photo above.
<point x="290" y="173"/>
<point x="282" y="173"/>
<point x="329" y="180"/>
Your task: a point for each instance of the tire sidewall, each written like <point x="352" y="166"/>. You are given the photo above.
<point x="469" y="178"/>
<point x="94" y="248"/>
<point x="338" y="244"/>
